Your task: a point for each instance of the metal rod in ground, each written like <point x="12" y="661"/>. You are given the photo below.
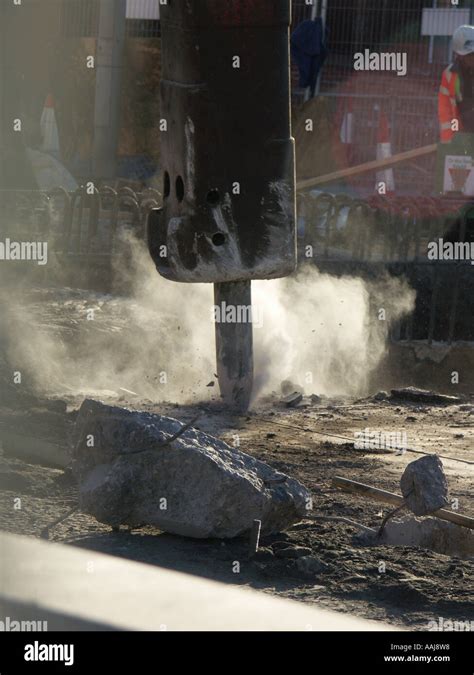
<point x="234" y="342"/>
<point x="255" y="536"/>
<point x="392" y="498"/>
<point x="45" y="532"/>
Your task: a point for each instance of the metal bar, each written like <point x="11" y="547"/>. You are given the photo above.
<point x="392" y="498"/>
<point x="234" y="342"/>
<point x="367" y="167"/>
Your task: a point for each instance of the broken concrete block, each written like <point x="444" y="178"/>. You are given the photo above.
<point x="195" y="486"/>
<point x="414" y="395"/>
<point x="292" y="400"/>
<point x="424" y="485"/>
<point x="380" y="396"/>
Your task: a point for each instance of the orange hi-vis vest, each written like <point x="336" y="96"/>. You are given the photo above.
<point x="448" y="99"/>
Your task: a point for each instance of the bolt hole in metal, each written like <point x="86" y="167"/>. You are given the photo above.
<point x="179" y="189"/>
<point x="166" y="185"/>
<point x="218" y="239"/>
<point x="213" y="197"/>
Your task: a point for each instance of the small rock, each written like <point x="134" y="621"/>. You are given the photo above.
<point x="279" y="544"/>
<point x="410" y="418"/>
<point x="293" y="399"/>
<point x="424" y="485"/>
<point x="271" y="435"/>
<point x="293" y="552"/>
<point x="354" y="579"/>
<point x="310" y="566"/>
<point x="380" y="396"/>
<point x="316" y="399"/>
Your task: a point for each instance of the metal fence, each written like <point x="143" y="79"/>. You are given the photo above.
<point x="413" y="123"/>
<point x="421" y="29"/>
<point x="79" y="18"/>
<point x="370" y="238"/>
<point x="88" y="233"/>
<point x="384" y="25"/>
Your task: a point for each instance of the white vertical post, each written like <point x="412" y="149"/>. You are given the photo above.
<point x="109" y="60"/>
<point x="2" y="91"/>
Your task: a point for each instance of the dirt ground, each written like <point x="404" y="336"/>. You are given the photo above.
<point x="405" y="586"/>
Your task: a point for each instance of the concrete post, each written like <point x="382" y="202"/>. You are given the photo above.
<point x="109" y="61"/>
<point x="2" y="93"/>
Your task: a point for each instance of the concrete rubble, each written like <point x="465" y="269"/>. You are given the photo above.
<point x="422" y="396"/>
<point x="196" y="485"/>
<point x="424" y="485"/>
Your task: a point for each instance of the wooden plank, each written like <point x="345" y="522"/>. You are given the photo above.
<point x="375" y="165"/>
<point x="397" y="500"/>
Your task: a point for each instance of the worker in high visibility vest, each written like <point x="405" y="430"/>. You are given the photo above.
<point x="456" y="93"/>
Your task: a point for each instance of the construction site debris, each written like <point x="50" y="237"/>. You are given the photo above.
<point x="293" y="399"/>
<point x="396" y="500"/>
<point x="310" y="566"/>
<point x="288" y="387"/>
<point x="380" y="396"/>
<point x="415" y="395"/>
<point x="131" y="473"/>
<point x="430" y="533"/>
<point x="293" y="552"/>
<point x="424" y="485"/>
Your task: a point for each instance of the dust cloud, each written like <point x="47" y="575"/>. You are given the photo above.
<point x="322" y="332"/>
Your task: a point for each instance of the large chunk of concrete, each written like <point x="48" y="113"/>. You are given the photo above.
<point x="424" y="485"/>
<point x="196" y="486"/>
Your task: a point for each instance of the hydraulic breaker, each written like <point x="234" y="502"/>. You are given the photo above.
<point x="227" y="157"/>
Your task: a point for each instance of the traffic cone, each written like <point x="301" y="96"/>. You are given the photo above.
<point x="385" y="179"/>
<point x="49" y="128"/>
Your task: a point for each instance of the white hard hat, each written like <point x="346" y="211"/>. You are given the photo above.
<point x="463" y="40"/>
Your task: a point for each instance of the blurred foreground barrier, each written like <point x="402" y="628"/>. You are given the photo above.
<point x="41" y="581"/>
